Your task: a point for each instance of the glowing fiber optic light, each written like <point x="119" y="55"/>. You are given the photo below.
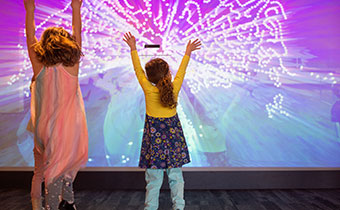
<point x="245" y="70"/>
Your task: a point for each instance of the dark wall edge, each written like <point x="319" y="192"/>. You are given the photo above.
<point x="194" y="180"/>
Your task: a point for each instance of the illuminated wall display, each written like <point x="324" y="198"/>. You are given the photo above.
<point x="262" y="92"/>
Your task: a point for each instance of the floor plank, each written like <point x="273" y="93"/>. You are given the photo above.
<point x="195" y="200"/>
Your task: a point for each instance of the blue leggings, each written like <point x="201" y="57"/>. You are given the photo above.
<point x="154" y="180"/>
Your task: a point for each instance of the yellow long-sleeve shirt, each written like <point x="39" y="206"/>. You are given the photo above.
<point x="154" y="108"/>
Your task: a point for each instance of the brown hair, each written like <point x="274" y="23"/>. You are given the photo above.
<point x="57" y="46"/>
<point x="158" y="73"/>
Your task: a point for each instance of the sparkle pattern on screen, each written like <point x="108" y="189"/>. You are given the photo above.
<point x="244" y="57"/>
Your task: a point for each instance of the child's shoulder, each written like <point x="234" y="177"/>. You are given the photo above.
<point x="73" y="70"/>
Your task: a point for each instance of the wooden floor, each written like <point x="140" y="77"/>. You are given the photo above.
<point x="195" y="200"/>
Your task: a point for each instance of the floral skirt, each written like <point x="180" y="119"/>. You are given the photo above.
<point x="163" y="144"/>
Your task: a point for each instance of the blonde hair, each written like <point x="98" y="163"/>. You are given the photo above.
<point x="57" y="46"/>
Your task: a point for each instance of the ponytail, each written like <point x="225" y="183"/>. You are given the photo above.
<point x="158" y="73"/>
<point x="166" y="91"/>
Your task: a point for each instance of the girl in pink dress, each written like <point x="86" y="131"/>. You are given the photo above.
<point x="57" y="110"/>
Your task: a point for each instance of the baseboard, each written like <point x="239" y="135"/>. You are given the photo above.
<point x="195" y="180"/>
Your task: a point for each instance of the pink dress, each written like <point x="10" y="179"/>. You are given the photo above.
<point x="59" y="124"/>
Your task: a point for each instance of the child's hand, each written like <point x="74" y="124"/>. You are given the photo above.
<point x="76" y="4"/>
<point x="192" y="46"/>
<point x="130" y="40"/>
<point x="29" y="5"/>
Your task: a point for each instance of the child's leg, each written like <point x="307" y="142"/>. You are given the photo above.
<point x="176" y="183"/>
<point x="67" y="190"/>
<point x="53" y="194"/>
<point x="37" y="180"/>
<point x="154" y="180"/>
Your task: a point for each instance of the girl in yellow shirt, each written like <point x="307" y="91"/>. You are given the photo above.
<point x="163" y="146"/>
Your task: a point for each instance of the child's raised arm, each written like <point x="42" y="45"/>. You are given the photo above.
<point x="76" y="20"/>
<point x="31" y="39"/>
<point x="191" y="46"/>
<point x="131" y="41"/>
